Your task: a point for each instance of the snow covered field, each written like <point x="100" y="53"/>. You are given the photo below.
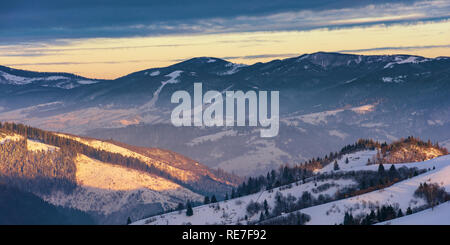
<point x="400" y="194"/>
<point x="234" y="211"/>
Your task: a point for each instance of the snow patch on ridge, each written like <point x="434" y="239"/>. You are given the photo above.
<point x="233" y="69"/>
<point x="173" y="79"/>
<point x="155" y="73"/>
<point x="409" y="60"/>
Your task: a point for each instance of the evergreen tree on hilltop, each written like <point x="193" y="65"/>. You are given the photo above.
<point x="348" y="219"/>
<point x="189" y="211"/>
<point x="409" y="211"/>
<point x="128" y="221"/>
<point x="206" y="201"/>
<point x="393" y="171"/>
<point x="261" y="217"/>
<point x="213" y="199"/>
<point x="380" y="169"/>
<point x="336" y="166"/>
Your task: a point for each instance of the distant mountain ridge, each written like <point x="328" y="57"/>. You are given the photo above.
<point x="326" y="100"/>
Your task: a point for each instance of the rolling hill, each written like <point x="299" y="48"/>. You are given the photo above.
<point x="328" y="195"/>
<point x="107" y="180"/>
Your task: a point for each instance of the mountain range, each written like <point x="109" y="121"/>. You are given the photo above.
<point x="326" y="100"/>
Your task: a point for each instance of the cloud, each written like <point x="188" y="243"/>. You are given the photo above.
<point x="31" y="51"/>
<point x="31" y="21"/>
<point x="78" y="63"/>
<point x="418" y="47"/>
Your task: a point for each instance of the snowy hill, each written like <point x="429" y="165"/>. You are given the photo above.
<point x="108" y="191"/>
<point x="42" y="79"/>
<point x="400" y="194"/>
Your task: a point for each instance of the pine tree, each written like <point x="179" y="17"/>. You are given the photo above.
<point x="348" y="219"/>
<point x="400" y="213"/>
<point x="393" y="171"/>
<point x="128" y="221"/>
<point x="213" y="199"/>
<point x="336" y="166"/>
<point x="206" y="200"/>
<point x="409" y="211"/>
<point x="346" y="160"/>
<point x="180" y="206"/>
<point x="380" y="169"/>
<point x="189" y="211"/>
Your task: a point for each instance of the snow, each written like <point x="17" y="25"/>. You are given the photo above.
<point x="435" y="122"/>
<point x="66" y="84"/>
<point x="313" y="118"/>
<point x="34" y="145"/>
<point x="337" y="133"/>
<point x="106" y="188"/>
<point x="401" y="194"/>
<point x="350" y="81"/>
<point x="17" y="80"/>
<point x="86" y="82"/>
<point x="5" y="138"/>
<point x="439" y="215"/>
<point x="364" y="109"/>
<point x="397" y="79"/>
<point x="155" y="73"/>
<point x="372" y="125"/>
<point x="233" y="69"/>
<point x="234" y="210"/>
<point x="403" y="60"/>
<point x="212" y="137"/>
<point x="173" y="79"/>
<point x="317" y="118"/>
<point x="93" y="173"/>
<point x="356" y="161"/>
<point x="106" y="146"/>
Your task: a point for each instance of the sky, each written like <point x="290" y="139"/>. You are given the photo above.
<point x="110" y="38"/>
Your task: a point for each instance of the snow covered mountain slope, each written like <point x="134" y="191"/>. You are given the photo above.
<point x="401" y="194"/>
<point x="103" y="180"/>
<point x="113" y="193"/>
<point x="234" y="211"/>
<point x="109" y="192"/>
<point x="177" y="166"/>
<point x="439" y="215"/>
<point x="42" y="79"/>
